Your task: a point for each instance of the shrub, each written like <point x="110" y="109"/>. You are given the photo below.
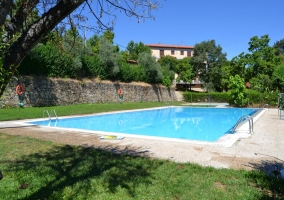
<point x="218" y="97"/>
<point x="91" y="66"/>
<point x="50" y="61"/>
<point x="255" y="97"/>
<point x="126" y="73"/>
<point x="139" y="73"/>
<point x="237" y="94"/>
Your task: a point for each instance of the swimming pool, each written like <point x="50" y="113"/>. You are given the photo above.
<point x="203" y="124"/>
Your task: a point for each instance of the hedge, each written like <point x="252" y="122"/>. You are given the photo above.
<point x="218" y="97"/>
<point x="254" y="97"/>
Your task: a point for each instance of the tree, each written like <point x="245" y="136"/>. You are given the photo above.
<point x="58" y="55"/>
<point x="239" y="64"/>
<point x="21" y="31"/>
<point x="169" y="61"/>
<point x="278" y="77"/>
<point x="259" y="63"/>
<point x="169" y="66"/>
<point x="110" y="59"/>
<point x="152" y="68"/>
<point x="279" y="47"/>
<point x="184" y="70"/>
<point x="261" y="83"/>
<point x="134" y="49"/>
<point x="94" y="41"/>
<point x="226" y="72"/>
<point x="207" y="61"/>
<point x="262" y="59"/>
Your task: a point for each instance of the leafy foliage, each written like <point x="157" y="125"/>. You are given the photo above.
<point x="169" y="61"/>
<point x="135" y="49"/>
<point x="152" y="68"/>
<point x="278" y="77"/>
<point x="220" y="97"/>
<point x="184" y="70"/>
<point x="207" y="61"/>
<point x="279" y="47"/>
<point x="57" y="56"/>
<point x="238" y="95"/>
<point x="109" y="59"/>
<point x="126" y="73"/>
<point x="261" y="83"/>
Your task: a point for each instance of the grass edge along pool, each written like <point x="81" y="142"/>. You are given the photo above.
<point x="202" y="124"/>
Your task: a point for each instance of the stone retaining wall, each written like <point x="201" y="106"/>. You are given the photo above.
<point x="43" y="91"/>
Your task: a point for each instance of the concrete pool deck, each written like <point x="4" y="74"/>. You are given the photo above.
<point x="263" y="149"/>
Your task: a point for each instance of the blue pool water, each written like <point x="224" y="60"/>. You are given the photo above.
<point x="204" y="124"/>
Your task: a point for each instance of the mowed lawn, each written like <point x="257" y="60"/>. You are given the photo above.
<point x="35" y="169"/>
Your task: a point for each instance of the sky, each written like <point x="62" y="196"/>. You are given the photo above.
<point x="231" y="23"/>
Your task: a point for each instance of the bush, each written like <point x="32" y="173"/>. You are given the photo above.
<point x="48" y="60"/>
<point x="91" y="66"/>
<point x="218" y="97"/>
<point x="237" y="94"/>
<point x="139" y="73"/>
<point x="126" y="73"/>
<point x="255" y="97"/>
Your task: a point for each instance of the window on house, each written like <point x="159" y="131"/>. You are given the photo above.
<point x="188" y="53"/>
<point x="172" y="52"/>
<point x="182" y="53"/>
<point x="162" y="53"/>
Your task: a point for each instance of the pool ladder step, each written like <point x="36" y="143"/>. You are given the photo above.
<point x="242" y="119"/>
<point x="49" y="114"/>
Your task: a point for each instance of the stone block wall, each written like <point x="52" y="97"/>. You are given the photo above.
<point x="44" y="91"/>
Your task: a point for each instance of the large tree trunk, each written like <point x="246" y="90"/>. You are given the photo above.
<point x="28" y="39"/>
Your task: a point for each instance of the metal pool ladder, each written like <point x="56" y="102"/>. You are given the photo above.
<point x="49" y="114"/>
<point x="242" y="119"/>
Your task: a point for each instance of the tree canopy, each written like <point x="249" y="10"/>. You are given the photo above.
<point x="279" y="47"/>
<point x="207" y="61"/>
<point x="259" y="64"/>
<point x="133" y="50"/>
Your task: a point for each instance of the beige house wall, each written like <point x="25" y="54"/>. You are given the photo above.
<point x="156" y="50"/>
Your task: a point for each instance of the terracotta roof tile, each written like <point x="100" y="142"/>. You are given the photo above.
<point x="170" y="46"/>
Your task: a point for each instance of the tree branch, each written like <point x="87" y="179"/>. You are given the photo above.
<point x="20" y="17"/>
<point x="101" y="24"/>
<point x="29" y="38"/>
<point x="5" y="7"/>
<point x="39" y="29"/>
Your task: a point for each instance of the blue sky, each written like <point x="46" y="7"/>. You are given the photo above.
<point x="231" y="23"/>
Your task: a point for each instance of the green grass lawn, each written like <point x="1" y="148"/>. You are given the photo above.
<point x="37" y="112"/>
<point x="35" y="169"/>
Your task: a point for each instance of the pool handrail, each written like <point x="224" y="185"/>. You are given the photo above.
<point x="54" y="114"/>
<point x="242" y="119"/>
<point x="49" y="114"/>
<point x="46" y="111"/>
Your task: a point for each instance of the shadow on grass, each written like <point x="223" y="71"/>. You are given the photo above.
<point x="83" y="169"/>
<point x="272" y="184"/>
